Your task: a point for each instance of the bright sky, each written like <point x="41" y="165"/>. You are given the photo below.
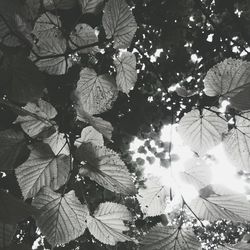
<point x="223" y="172"/>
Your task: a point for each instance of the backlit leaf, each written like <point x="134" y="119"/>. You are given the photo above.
<point x="32" y="125"/>
<point x="42" y="168"/>
<point x="105" y="167"/>
<point x="90" y="6"/>
<point x="126" y="71"/>
<point x="95" y="93"/>
<point x="227" y="78"/>
<point x="89" y="134"/>
<point x="12" y="147"/>
<point x="170" y="238"/>
<point x="107" y="224"/>
<point x="152" y="199"/>
<point x="46" y="26"/>
<point x="237" y="143"/>
<point x="221" y="203"/>
<point x="63" y="218"/>
<point x="83" y="35"/>
<point x="119" y="22"/>
<point x="13" y="210"/>
<point x="202" y="131"/>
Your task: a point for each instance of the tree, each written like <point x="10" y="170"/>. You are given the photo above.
<point x="79" y="80"/>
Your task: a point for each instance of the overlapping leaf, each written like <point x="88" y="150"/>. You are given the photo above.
<point x="119" y="22"/>
<point x="214" y="204"/>
<point x="152" y="199"/>
<point x="58" y="143"/>
<point x="7" y="232"/>
<point x="170" y="238"/>
<point x="197" y="173"/>
<point x="105" y="167"/>
<point x="102" y="126"/>
<point x="50" y="55"/>
<point x="83" y="35"/>
<point x="89" y="134"/>
<point x="126" y="71"/>
<point x="95" y="93"/>
<point x="227" y="78"/>
<point x="241" y="100"/>
<point x="12" y="147"/>
<point x="47" y="26"/>
<point x="202" y="131"/>
<point x="42" y="168"/>
<point x="90" y="6"/>
<point x="237" y="143"/>
<point x="13" y="210"/>
<point x="63" y="218"/>
<point x="107" y="224"/>
<point x="38" y="121"/>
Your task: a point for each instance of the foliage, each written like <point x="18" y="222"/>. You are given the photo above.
<point x="81" y="79"/>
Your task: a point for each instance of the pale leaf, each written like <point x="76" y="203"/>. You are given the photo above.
<point x="95" y="93"/>
<point x="202" y="132"/>
<point x="197" y="173"/>
<point x="12" y="147"/>
<point x="7" y="232"/>
<point x="119" y="22"/>
<point x="47" y="26"/>
<point x="83" y="35"/>
<point x="51" y="55"/>
<point x="220" y="203"/>
<point x="153" y="198"/>
<point x="91" y="6"/>
<point x="32" y="125"/>
<point x="42" y="168"/>
<point x="126" y="71"/>
<point x="58" y="143"/>
<point x="105" y="167"/>
<point x="237" y="143"/>
<point x="227" y="78"/>
<point x="170" y="238"/>
<point x="13" y="210"/>
<point x="102" y="126"/>
<point x="107" y="224"/>
<point x="89" y="134"/>
<point x="63" y="218"/>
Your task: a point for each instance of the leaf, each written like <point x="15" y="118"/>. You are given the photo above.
<point x="220" y="203"/>
<point x="12" y="147"/>
<point x="89" y="134"/>
<point x="24" y="82"/>
<point x="42" y="168"/>
<point x="105" y="167"/>
<point x="102" y="126"/>
<point x="83" y="35"/>
<point x="33" y="8"/>
<point x="241" y="100"/>
<point x="59" y="4"/>
<point x="152" y="199"/>
<point x="183" y="92"/>
<point x="90" y="6"/>
<point x="107" y="225"/>
<point x="13" y="210"/>
<point x="126" y="71"/>
<point x="237" y="143"/>
<point x="238" y="246"/>
<point x="119" y="22"/>
<point x="7" y="232"/>
<point x="197" y="173"/>
<point x="33" y="125"/>
<point x="227" y="78"/>
<point x="50" y="55"/>
<point x="58" y="143"/>
<point x="63" y="218"/>
<point x="47" y="26"/>
<point x="202" y="132"/>
<point x="170" y="238"/>
<point x="95" y="93"/>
